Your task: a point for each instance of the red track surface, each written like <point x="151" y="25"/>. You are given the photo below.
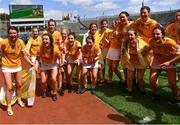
<point x="71" y="108"/>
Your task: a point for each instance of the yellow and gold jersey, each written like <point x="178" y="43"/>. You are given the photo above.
<point x="144" y="28"/>
<point x="104" y="36"/>
<point x="33" y="46"/>
<point x="11" y="54"/>
<point x="73" y="51"/>
<point x="56" y="37"/>
<point x="46" y="56"/>
<point x="90" y="53"/>
<point x="163" y="51"/>
<point x="117" y="39"/>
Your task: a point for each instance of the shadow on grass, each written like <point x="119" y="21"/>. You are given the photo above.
<point x="119" y="118"/>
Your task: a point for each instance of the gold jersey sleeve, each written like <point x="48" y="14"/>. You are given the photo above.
<point x="33" y="46"/>
<point x="171" y="31"/>
<point x="47" y="57"/>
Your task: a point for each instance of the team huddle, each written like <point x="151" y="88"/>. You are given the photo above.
<point x="135" y="45"/>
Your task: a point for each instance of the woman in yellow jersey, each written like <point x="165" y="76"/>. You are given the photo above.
<point x="49" y="54"/>
<point x="173" y="29"/>
<point x="134" y="60"/>
<point x="145" y="24"/>
<point x="117" y="38"/>
<point x="104" y="44"/>
<point x="62" y="69"/>
<point x="12" y="49"/>
<point x="73" y="58"/>
<point x="33" y="46"/>
<point x="93" y="31"/>
<point x="90" y="56"/>
<point x="163" y="50"/>
<point x="52" y="30"/>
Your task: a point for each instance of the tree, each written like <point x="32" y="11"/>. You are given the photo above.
<point x="4" y="16"/>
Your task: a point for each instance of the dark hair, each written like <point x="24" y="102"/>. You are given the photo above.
<point x="124" y="12"/>
<point x="177" y="11"/>
<point x="13" y="28"/>
<point x="147" y="8"/>
<point x="73" y="34"/>
<point x="103" y="20"/>
<point x="161" y="29"/>
<point x="52" y="20"/>
<point x="90" y="37"/>
<point x="51" y="43"/>
<point x="92" y="24"/>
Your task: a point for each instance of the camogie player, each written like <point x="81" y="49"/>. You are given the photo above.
<point x="133" y="60"/>
<point x="33" y="46"/>
<point x="90" y="56"/>
<point x="62" y="70"/>
<point x="104" y="44"/>
<point x="73" y="58"/>
<point x="164" y="50"/>
<point x="51" y="29"/>
<point x="12" y="48"/>
<point x="48" y="56"/>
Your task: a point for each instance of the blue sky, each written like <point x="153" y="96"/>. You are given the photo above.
<point x="92" y="8"/>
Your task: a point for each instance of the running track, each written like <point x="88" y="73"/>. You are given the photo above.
<point x="69" y="109"/>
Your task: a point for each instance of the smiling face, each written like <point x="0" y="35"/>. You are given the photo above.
<point x="123" y="18"/>
<point x="131" y="35"/>
<point x="157" y="35"/>
<point x="144" y="14"/>
<point x="35" y="32"/>
<point x="104" y="25"/>
<point x="71" y="39"/>
<point x="51" y="26"/>
<point x="93" y="29"/>
<point x="13" y="35"/>
<point x="46" y="40"/>
<point x="64" y="34"/>
<point x="89" y="43"/>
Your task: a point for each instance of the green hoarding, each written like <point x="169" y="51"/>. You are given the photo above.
<point x="26" y="11"/>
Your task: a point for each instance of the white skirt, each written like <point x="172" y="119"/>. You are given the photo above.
<point x="72" y="61"/>
<point x="154" y="65"/>
<point x="49" y="66"/>
<point x="114" y="54"/>
<point x="91" y="66"/>
<point x="11" y="70"/>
